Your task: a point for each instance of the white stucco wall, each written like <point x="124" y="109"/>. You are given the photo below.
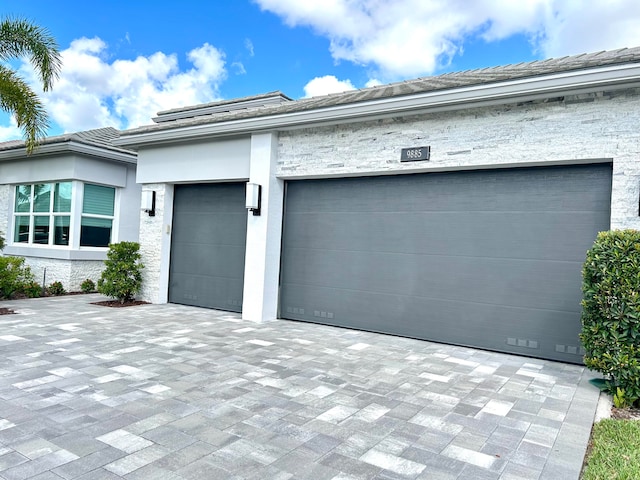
<point x="192" y="162"/>
<point x="63" y="167"/>
<point x="128" y="213"/>
<point x="262" y="256"/>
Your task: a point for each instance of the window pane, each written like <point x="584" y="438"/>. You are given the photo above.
<point x="23" y="198"/>
<point x="21" y="232"/>
<point x="61" y="230"/>
<point x="62" y="197"/>
<point x="42" y="198"/>
<point x="41" y="229"/>
<point x="95" y="232"/>
<point x="98" y="200"/>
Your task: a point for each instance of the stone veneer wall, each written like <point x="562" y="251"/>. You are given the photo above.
<point x="591" y="126"/>
<point x="5" y="191"/>
<point x="70" y="272"/>
<point x="152" y="231"/>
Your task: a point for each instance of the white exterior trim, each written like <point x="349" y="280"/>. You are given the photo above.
<point x="70" y="146"/>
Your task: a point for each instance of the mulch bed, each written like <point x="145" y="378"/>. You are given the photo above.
<point x="118" y="304"/>
<point x="625" y="413"/>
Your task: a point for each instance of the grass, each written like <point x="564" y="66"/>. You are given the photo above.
<point x="614" y="452"/>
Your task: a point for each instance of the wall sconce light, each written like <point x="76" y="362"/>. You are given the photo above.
<point x="253" y="199"/>
<point x="149" y="202"/>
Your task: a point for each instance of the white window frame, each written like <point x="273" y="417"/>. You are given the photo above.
<point x="75" y="218"/>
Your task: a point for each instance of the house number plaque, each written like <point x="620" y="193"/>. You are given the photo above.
<point x="415" y="154"/>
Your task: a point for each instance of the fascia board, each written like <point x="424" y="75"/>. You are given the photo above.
<point x="66" y="147"/>
<point x="566" y="83"/>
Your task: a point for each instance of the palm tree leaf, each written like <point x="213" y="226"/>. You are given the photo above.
<point x="20" y="37"/>
<point x="18" y="98"/>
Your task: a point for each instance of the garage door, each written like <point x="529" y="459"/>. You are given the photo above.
<point x="490" y="259"/>
<point x="208" y="246"/>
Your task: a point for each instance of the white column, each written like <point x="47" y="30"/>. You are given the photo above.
<point x="262" y="259"/>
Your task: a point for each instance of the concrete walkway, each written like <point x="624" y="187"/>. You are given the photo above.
<point x="172" y="392"/>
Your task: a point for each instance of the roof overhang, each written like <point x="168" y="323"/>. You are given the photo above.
<point x="524" y="89"/>
<point x="69" y="147"/>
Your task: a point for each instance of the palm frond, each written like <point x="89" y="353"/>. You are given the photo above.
<point x="18" y="98"/>
<point x="20" y="37"/>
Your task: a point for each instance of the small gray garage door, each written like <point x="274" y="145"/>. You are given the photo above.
<point x="208" y="246"/>
<point x="490" y="259"/>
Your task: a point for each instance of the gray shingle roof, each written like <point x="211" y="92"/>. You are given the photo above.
<point x="233" y="101"/>
<point x="100" y="137"/>
<point x="419" y="85"/>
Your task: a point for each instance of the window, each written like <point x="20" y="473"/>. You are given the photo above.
<point x="97" y="216"/>
<point x="45" y="214"/>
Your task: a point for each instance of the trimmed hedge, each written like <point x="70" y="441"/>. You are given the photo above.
<point x="611" y="311"/>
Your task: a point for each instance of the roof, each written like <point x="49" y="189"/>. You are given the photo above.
<point x="445" y="82"/>
<point x="271" y="98"/>
<point x="100" y="138"/>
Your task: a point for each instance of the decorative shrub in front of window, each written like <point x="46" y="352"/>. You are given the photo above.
<point x="43" y="213"/>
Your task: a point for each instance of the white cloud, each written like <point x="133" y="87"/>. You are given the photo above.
<point x="11" y="131"/>
<point x="406" y="38"/>
<point x="373" y="82"/>
<point x="580" y="26"/>
<point x="239" y="68"/>
<point x="93" y="92"/>
<point x="325" y="85"/>
<point x="248" y="44"/>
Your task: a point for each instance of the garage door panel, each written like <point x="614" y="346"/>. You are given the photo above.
<point x="488" y="326"/>
<point x="205" y="291"/>
<point x="209" y="198"/>
<point x="212" y="260"/>
<point x="204" y="228"/>
<point x="486" y="258"/>
<point x="486" y="280"/>
<point x="455" y="191"/>
<point x="208" y="246"/>
<point x="408" y="232"/>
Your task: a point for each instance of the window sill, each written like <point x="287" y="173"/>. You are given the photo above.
<point x="59" y="253"/>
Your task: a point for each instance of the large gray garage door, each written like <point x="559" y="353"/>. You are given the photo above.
<point x="208" y="246"/>
<point x="481" y="258"/>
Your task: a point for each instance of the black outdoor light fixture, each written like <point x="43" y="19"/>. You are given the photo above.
<point x="253" y="199"/>
<point x="149" y="202"/>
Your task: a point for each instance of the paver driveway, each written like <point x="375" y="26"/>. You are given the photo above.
<point x="173" y="392"/>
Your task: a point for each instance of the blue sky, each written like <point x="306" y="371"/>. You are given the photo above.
<point x="126" y="60"/>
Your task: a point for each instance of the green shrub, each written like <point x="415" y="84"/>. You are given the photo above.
<point x="611" y="312"/>
<point x="31" y="289"/>
<point x="14" y="275"/>
<point x="56" y="288"/>
<point x="88" y="286"/>
<point x="122" y="277"/>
